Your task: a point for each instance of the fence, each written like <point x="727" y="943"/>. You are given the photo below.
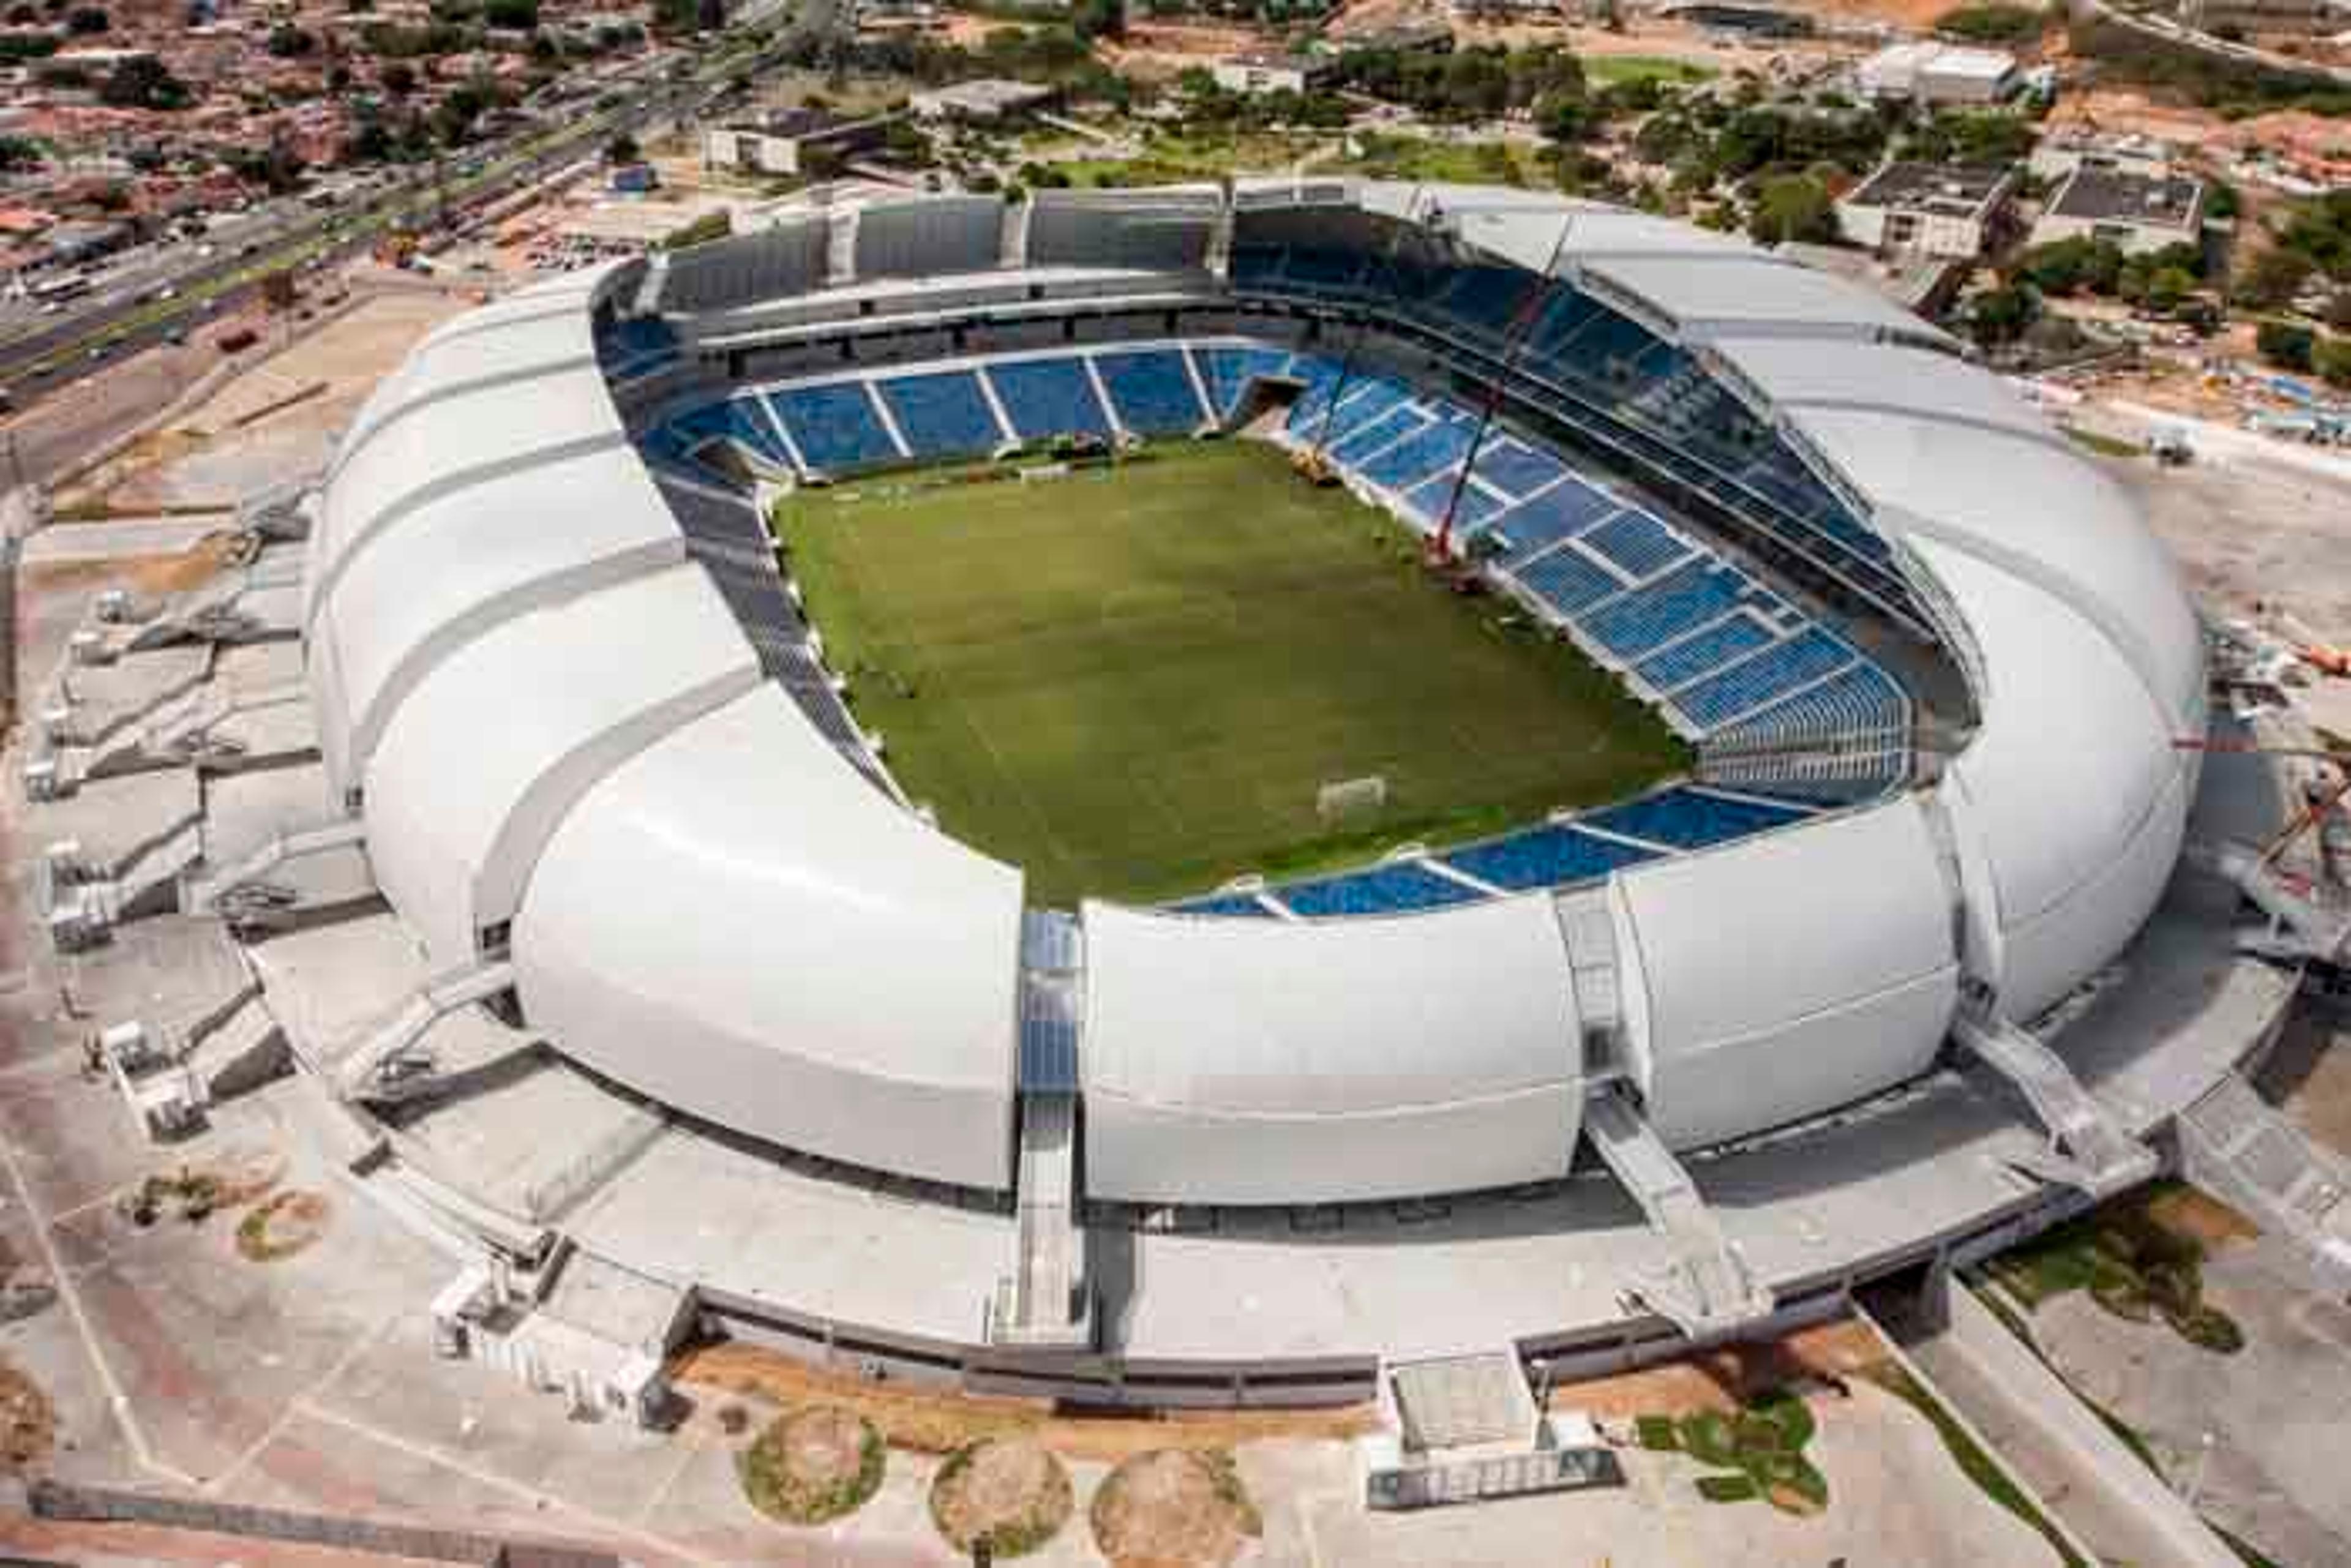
<point x="54" y="1499"/>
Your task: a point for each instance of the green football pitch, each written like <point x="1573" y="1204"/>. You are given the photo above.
<point x="1134" y="682"/>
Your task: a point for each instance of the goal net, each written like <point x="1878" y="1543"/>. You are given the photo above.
<point x="1344" y="799"/>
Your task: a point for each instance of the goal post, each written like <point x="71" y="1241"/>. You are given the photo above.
<point x="1344" y="799"/>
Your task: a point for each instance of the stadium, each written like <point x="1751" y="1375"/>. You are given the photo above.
<point x="1500" y="769"/>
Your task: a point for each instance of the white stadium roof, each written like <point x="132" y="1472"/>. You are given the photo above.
<point x="559" y="722"/>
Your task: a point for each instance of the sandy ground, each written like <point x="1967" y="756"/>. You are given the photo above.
<point x="1720" y="1379"/>
<point x="279" y="418"/>
<point x="2298" y="134"/>
<point x="2273" y="1412"/>
<point x="2308" y="1075"/>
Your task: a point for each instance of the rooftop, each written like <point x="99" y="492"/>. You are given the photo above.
<point x="1959" y="190"/>
<point x="2109" y="195"/>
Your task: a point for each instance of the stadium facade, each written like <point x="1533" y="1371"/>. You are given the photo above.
<point x="1929" y="659"/>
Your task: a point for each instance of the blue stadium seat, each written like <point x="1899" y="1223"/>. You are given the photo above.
<point x="1439" y="447"/>
<point x="1860" y="701"/>
<point x="1045" y="397"/>
<point x="1433" y="496"/>
<point x="1387" y="890"/>
<point x="1703" y="653"/>
<point x="1560" y="513"/>
<point x="1682" y="601"/>
<point x="1568" y="580"/>
<point x="1152" y="391"/>
<point x="1230" y="904"/>
<point x="1752" y="682"/>
<point x="1230" y="372"/>
<point x="735" y="420"/>
<point x="943" y="414"/>
<point x="1350" y="450"/>
<point x="1515" y="470"/>
<point x="1545" y="857"/>
<point x="834" y="426"/>
<point x="1637" y="543"/>
<point x="1692" y="819"/>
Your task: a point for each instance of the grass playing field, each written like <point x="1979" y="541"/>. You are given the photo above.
<point x="1134" y="682"/>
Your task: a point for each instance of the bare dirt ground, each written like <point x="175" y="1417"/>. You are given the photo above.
<point x="1720" y="1380"/>
<point x="2308" y="1076"/>
<point x="280" y="415"/>
<point x="287" y="1224"/>
<point x="1175" y="1508"/>
<point x="1009" y="1493"/>
<point x="28" y="1424"/>
<point x="940" y="1423"/>
<point x="2294" y="133"/>
<point x="1172" y="46"/>
<point x="141" y="574"/>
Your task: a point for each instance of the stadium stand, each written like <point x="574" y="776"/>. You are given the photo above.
<point x="1152" y="392"/>
<point x="1568" y="580"/>
<point x="1703" y="651"/>
<point x="1516" y="470"/>
<point x="943" y="414"/>
<point x="1540" y="522"/>
<point x="1636" y="544"/>
<point x="834" y="425"/>
<point x="1552" y="856"/>
<point x="637" y="347"/>
<point x="1045" y="397"/>
<point x="1398" y="889"/>
<point x="1669" y="608"/>
<point x="1764" y="678"/>
<point x="1242" y="904"/>
<point x="1227" y="372"/>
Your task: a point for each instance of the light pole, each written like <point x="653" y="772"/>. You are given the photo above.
<point x="2203" y="1461"/>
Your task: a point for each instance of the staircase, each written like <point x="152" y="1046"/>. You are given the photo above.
<point x="2087" y="1148"/>
<point x="2237" y="1147"/>
<point x="1707" y="1292"/>
<point x="2303" y="926"/>
<point x="241" y="893"/>
<point x="383" y="1063"/>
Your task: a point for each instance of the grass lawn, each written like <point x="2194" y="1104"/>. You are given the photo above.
<point x="1133" y="681"/>
<point x="1608" y="70"/>
<point x="1460" y="163"/>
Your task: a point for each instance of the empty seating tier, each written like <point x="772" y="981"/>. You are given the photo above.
<point x="942" y="415"/>
<point x="1558" y="512"/>
<point x="1397" y="889"/>
<point x="1703" y="653"/>
<point x="1045" y="397"/>
<point x="1545" y="857"/>
<point x="1677" y="603"/>
<point x="1152" y="392"/>
<point x="1764" y="677"/>
<point x="1688" y="818"/>
<point x="1637" y="544"/>
<point x="835" y="426"/>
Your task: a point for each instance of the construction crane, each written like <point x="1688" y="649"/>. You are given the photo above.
<point x="1313" y="463"/>
<point x="1514" y="338"/>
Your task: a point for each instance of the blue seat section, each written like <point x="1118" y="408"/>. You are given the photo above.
<point x="1152" y="392"/>
<point x="1360" y="443"/>
<point x="1688" y="818"/>
<point x="1563" y="318"/>
<point x="1569" y="581"/>
<point x="1045" y="397"/>
<point x="1703" y="653"/>
<point x="1516" y="470"/>
<point x="942" y="415"/>
<point x="1560" y="513"/>
<point x="1858" y="701"/>
<point x="1545" y="857"/>
<point x="1238" y="904"/>
<point x="1319" y="271"/>
<point x="638" y="346"/>
<point x="734" y="420"/>
<point x="1431" y="498"/>
<point x="1798" y="661"/>
<point x="1415" y="457"/>
<point x="833" y="426"/>
<point x="1230" y="372"/>
<point x="1384" y="890"/>
<point x="1489" y="300"/>
<point x="1637" y="542"/>
<point x="1679" y="602"/>
<point x="1609" y="345"/>
<point x="1364" y="401"/>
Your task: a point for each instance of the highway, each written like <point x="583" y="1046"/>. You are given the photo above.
<point x="131" y="313"/>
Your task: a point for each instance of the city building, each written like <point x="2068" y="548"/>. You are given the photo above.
<point x="1272" y="73"/>
<point x="1934" y="74"/>
<point x="789" y="142"/>
<point x="2139" y="213"/>
<point x="1946" y="212"/>
<point x="985" y="101"/>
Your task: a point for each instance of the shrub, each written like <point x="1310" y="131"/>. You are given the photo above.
<point x="1738" y="1487"/>
<point x="1656" y="1434"/>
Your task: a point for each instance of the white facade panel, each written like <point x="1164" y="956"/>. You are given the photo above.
<point x="1790" y="973"/>
<point x="734" y="922"/>
<point x="481" y="763"/>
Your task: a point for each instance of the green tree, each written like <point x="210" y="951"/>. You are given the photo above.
<point x="2271" y="279"/>
<point x="2331" y="360"/>
<point x="288" y="42"/>
<point x="142" y="81"/>
<point x="1791" y="207"/>
<point x="2285" y="345"/>
<point x="86" y="20"/>
<point x="2003" y="315"/>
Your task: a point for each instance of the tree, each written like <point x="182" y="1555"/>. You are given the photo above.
<point x="142" y="82"/>
<point x="1993" y="23"/>
<point x="622" y="149"/>
<point x="19" y="152"/>
<point x="399" y="79"/>
<point x="2070" y="265"/>
<point x="287" y="42"/>
<point x="2001" y="315"/>
<point x="2272" y="278"/>
<point x="1098" y="19"/>
<point x="1565" y="118"/>
<point x="511" y="16"/>
<point x="2285" y="345"/>
<point x="1792" y="208"/>
<point x="86" y="20"/>
<point x="2331" y="360"/>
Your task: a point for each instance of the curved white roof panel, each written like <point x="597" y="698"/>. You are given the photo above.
<point x="1790" y="973"/>
<point x="467" y="561"/>
<point x="1373" y="1057"/>
<point x="1882" y="377"/>
<point x="1747" y="293"/>
<point x="734" y="922"/>
<point x="492" y="749"/>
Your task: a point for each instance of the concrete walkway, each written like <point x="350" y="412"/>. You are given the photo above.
<point x="121" y="538"/>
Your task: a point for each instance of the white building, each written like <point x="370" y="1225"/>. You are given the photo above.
<point x="2138" y="213"/>
<point x="1271" y="73"/>
<point x="1932" y="73"/>
<point x="986" y="100"/>
<point x="1938" y="211"/>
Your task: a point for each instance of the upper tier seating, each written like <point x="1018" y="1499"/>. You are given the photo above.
<point x="1545" y="857"/>
<point x="1395" y="889"/>
<point x="1690" y="819"/>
